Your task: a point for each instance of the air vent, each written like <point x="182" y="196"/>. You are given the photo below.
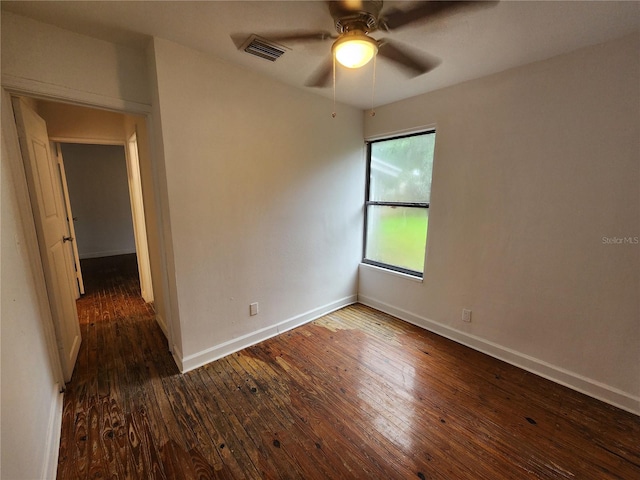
<point x="263" y="48"/>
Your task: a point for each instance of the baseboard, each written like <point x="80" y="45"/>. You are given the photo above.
<point x="176" y="353"/>
<point x="106" y="253"/>
<point x="209" y="355"/>
<point x="569" y="379"/>
<point x="54" y="431"/>
<point x="163" y="325"/>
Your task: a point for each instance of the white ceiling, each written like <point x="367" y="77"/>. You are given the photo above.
<point x="470" y="45"/>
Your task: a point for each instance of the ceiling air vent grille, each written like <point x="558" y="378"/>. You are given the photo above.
<point x="263" y="48"/>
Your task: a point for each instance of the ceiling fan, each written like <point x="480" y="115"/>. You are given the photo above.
<point x="356" y="20"/>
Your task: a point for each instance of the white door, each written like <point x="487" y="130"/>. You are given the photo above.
<point x="51" y="227"/>
<point x="67" y="204"/>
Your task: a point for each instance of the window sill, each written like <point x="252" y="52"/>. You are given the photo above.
<point x="391" y="272"/>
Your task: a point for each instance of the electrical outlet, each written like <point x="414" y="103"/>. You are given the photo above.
<point x="253" y="309"/>
<point x="466" y="315"/>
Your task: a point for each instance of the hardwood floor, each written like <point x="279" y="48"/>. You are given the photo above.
<point x="355" y="394"/>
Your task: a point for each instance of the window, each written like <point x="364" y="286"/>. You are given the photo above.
<point x="397" y="202"/>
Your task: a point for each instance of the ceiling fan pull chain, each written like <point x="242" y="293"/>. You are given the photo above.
<point x="333" y="114"/>
<point x="373" y="89"/>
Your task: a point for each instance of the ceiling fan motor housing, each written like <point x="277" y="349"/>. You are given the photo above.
<point x="352" y="15"/>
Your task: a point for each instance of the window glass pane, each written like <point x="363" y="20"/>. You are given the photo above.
<point x="397" y="236"/>
<point x="401" y="169"/>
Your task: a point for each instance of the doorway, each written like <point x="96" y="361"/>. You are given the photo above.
<point x="73" y="125"/>
<point x="106" y="209"/>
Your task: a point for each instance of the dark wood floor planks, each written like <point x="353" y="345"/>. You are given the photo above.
<point x="355" y="394"/>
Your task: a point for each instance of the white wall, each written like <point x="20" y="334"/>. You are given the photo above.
<point x="31" y="406"/>
<point x="265" y="198"/>
<point x="38" y="55"/>
<point x="533" y="167"/>
<point x="156" y="148"/>
<point x="99" y="194"/>
<point x="76" y="124"/>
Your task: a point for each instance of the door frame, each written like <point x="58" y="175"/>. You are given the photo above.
<point x="134" y="185"/>
<point x="37" y="90"/>
<point x="137" y="214"/>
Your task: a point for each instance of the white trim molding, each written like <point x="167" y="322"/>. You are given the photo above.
<point x="163" y="325"/>
<point x="388" y="271"/>
<point x="50" y="91"/>
<point x="222" y="350"/>
<point x="556" y="374"/>
<point x="54" y="432"/>
<point x="176" y="353"/>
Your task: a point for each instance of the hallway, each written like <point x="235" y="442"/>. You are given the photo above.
<point x="105" y="428"/>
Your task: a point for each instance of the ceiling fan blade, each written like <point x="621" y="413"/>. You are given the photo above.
<point x="298" y="36"/>
<point x="322" y="76"/>
<point x="414" y="64"/>
<point x="424" y="10"/>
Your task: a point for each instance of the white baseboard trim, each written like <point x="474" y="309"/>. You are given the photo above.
<point x="54" y="431"/>
<point x="569" y="379"/>
<point x="163" y="325"/>
<point x="222" y="350"/>
<point x="106" y="253"/>
<point x="177" y="357"/>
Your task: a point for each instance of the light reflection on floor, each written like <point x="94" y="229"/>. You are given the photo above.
<point x="393" y="410"/>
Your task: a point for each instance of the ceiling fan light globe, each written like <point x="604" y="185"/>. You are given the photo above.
<point x="355" y="52"/>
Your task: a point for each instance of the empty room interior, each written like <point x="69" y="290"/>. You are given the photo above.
<point x="229" y="250"/>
